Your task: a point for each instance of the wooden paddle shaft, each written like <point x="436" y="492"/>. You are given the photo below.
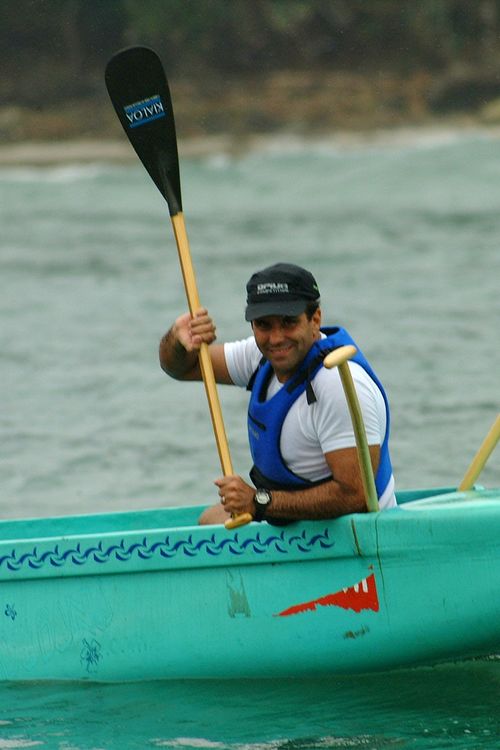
<point x="206" y="367"/>
<point x="207" y="371"/>
<point x="479" y="460"/>
<point x="338" y="358"/>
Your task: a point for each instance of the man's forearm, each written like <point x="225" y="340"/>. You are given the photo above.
<point x="175" y="360"/>
<point x="328" y="500"/>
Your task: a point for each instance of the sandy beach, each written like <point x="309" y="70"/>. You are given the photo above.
<point x="88" y="150"/>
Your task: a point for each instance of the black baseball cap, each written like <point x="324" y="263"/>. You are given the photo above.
<point x="281" y="289"/>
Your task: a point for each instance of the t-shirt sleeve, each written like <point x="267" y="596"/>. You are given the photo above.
<point x="242" y="359"/>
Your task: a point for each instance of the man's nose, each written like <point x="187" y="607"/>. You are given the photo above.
<point x="276" y="332"/>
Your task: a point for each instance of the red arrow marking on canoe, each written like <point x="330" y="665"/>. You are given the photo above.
<point x="362" y="595"/>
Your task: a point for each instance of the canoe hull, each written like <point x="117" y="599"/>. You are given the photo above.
<point x="141" y="596"/>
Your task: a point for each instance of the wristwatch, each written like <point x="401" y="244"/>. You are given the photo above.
<point x="262" y="499"/>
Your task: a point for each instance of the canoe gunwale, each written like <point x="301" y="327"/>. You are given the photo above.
<point x="150" y="549"/>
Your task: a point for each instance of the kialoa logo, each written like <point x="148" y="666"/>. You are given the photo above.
<point x="147" y="110"/>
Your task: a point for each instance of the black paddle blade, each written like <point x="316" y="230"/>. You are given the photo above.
<point x="138" y="88"/>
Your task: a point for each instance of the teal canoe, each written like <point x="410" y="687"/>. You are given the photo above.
<point x="151" y="595"/>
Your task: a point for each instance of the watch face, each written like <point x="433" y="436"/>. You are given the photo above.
<point x="262" y="497"/>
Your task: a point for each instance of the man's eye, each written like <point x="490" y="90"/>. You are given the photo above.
<point x="289" y="322"/>
<point x="262" y="325"/>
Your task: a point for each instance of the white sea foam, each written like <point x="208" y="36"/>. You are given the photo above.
<point x="318" y="743"/>
<point x="61" y="173"/>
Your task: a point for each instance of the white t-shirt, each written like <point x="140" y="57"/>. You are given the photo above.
<point x="311" y="430"/>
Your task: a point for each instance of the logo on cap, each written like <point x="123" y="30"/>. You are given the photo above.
<point x="273" y="287"/>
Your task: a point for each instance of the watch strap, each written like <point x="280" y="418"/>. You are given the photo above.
<point x="261" y="508"/>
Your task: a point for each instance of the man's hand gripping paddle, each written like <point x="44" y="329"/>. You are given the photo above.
<point x="139" y="91"/>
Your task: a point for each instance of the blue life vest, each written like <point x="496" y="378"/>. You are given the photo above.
<point x="266" y="418"/>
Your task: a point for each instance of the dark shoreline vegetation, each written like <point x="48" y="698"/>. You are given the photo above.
<point x="303" y="103"/>
<point x="307" y="67"/>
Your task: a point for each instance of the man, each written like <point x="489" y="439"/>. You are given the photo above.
<point x="299" y="427"/>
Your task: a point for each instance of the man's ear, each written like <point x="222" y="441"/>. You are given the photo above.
<point x="317" y="318"/>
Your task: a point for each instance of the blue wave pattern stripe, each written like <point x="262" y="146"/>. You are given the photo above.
<point x="123" y="552"/>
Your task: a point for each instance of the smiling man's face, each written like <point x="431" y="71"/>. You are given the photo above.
<point x="285" y="341"/>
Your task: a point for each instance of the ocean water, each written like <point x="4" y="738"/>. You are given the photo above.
<point x="452" y="706"/>
<point x="403" y="235"/>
